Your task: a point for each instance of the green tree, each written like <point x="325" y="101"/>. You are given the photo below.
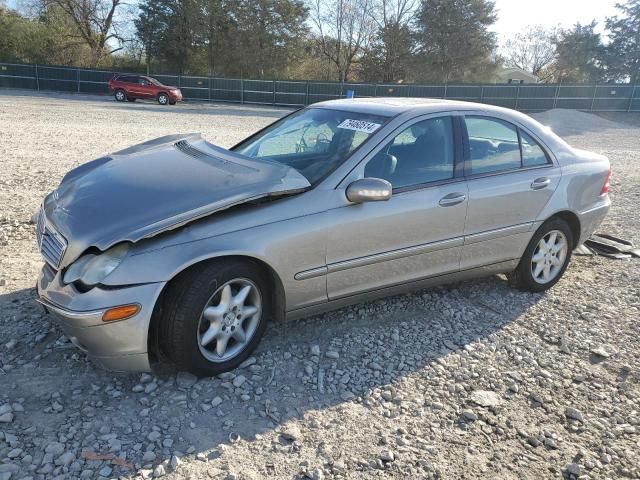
<point x="268" y="31"/>
<point x="623" y="51"/>
<point x="454" y="40"/>
<point x="579" y="54"/>
<point x="152" y="26"/>
<point x="46" y="38"/>
<point x="389" y="56"/>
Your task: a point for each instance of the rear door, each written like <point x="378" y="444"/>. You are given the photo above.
<point x="415" y="234"/>
<point x="511" y="178"/>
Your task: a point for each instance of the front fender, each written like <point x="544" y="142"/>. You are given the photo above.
<point x="287" y="247"/>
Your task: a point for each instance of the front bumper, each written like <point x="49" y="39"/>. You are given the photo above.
<point x="120" y="345"/>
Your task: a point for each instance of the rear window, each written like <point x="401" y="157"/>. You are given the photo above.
<point x="127" y="79"/>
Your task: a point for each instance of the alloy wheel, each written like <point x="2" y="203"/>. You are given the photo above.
<point x="229" y="320"/>
<point x="549" y="257"/>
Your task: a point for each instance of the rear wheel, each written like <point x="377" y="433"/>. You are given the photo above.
<point x="120" y="95"/>
<point x="214" y="316"/>
<point x="546" y="257"/>
<point x="163" y="99"/>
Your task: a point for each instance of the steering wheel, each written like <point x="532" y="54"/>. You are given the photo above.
<point x="322" y="139"/>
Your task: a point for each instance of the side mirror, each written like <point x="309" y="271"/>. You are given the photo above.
<point x="369" y="190"/>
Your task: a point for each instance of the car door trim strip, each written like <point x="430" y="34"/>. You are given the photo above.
<point x="312" y="273"/>
<point x="497" y="233"/>
<point x="394" y="254"/>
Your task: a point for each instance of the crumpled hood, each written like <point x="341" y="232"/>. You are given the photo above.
<point x="157" y="186"/>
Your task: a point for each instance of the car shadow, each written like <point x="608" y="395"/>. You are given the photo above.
<point x="291" y="374"/>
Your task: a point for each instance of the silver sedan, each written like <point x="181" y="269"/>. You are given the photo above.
<point x="177" y="251"/>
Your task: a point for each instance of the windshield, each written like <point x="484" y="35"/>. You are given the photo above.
<point x="314" y="141"/>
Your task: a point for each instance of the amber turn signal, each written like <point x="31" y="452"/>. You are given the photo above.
<point x="120" y="313"/>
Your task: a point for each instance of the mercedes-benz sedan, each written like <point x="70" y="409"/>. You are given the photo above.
<point x="179" y="250"/>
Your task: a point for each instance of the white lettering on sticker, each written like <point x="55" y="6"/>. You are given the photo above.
<point x="359" y="125"/>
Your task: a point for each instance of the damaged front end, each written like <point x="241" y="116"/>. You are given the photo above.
<point x="101" y="207"/>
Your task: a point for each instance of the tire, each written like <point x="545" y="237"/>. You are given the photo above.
<point x="187" y="335"/>
<point x="554" y="261"/>
<point x="130" y="99"/>
<point x="163" y="99"/>
<point x="120" y="95"/>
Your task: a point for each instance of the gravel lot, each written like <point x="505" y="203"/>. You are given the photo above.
<point x="472" y="380"/>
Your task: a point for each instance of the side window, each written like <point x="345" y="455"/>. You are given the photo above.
<point x="493" y="145"/>
<point x="420" y="154"/>
<point x="142" y="81"/>
<point x="532" y="153"/>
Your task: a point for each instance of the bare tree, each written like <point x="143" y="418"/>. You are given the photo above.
<point x="532" y="50"/>
<point x="94" y="21"/>
<point x="344" y="28"/>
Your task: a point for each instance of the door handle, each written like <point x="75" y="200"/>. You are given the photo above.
<point x="541" y="182"/>
<point x="452" y="199"/>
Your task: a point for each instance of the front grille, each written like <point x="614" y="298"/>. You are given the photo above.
<point x="52" y="245"/>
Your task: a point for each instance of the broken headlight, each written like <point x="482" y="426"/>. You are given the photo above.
<point x="90" y="269"/>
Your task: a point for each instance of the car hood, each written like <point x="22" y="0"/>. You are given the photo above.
<point x="157" y="186"/>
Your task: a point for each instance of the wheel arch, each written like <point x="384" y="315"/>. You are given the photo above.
<point x="278" y="297"/>
<point x="573" y="221"/>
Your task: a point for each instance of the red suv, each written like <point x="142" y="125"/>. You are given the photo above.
<point x="133" y="87"/>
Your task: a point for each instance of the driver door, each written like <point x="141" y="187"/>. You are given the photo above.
<point x="418" y="232"/>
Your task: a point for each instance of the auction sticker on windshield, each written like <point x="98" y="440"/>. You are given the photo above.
<point x="359" y="125"/>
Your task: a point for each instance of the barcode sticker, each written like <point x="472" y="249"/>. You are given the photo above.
<point x="359" y="125"/>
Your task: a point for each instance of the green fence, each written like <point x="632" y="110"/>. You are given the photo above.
<point x="525" y="97"/>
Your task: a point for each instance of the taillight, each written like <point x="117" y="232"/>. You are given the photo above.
<point x="607" y="182"/>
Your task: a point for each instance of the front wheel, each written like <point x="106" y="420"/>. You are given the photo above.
<point x="163" y="99"/>
<point x="214" y="316"/>
<point x="546" y="257"/>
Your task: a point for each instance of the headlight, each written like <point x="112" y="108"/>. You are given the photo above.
<point x="91" y="269"/>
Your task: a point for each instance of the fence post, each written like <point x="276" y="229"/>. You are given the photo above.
<point x="274" y="92"/>
<point x="517" y="97"/>
<point x="482" y="94"/>
<point x="375" y="90"/>
<point x="555" y="98"/>
<point x="593" y="99"/>
<point x="241" y="91"/>
<point x="445" y="91"/>
<point x="38" y="80"/>
<point x="209" y="88"/>
<point x="306" y="97"/>
<point x="78" y="78"/>
<point x="633" y="94"/>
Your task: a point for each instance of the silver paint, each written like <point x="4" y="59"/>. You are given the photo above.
<point x="321" y="250"/>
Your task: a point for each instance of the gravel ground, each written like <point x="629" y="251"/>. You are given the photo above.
<point x="471" y="380"/>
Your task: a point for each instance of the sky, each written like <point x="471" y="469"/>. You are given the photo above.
<point x="515" y="15"/>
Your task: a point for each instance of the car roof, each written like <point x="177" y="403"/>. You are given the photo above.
<point x="392" y="106"/>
